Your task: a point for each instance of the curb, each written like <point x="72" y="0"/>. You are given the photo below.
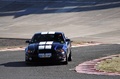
<point x="89" y="67"/>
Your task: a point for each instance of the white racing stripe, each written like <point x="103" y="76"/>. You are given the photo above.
<point x="51" y="32"/>
<point x="45" y="45"/>
<point x="49" y="42"/>
<point x="48" y="46"/>
<point x="44" y="33"/>
<point x="41" y="47"/>
<point x="47" y="33"/>
<point x="41" y="43"/>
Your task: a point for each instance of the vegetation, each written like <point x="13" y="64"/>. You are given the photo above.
<point x="110" y="65"/>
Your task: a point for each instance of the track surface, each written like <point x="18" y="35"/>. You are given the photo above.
<point x="79" y="19"/>
<point x="12" y="64"/>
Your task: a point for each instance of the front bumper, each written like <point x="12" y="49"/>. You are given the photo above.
<point x="54" y="58"/>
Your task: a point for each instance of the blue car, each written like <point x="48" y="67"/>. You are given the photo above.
<point x="48" y="47"/>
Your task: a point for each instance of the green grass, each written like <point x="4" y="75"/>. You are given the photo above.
<point x="110" y="65"/>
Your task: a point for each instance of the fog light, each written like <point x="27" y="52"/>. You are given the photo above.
<point x="30" y="59"/>
<point x="63" y="53"/>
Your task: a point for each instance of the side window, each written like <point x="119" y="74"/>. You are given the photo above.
<point x="36" y="38"/>
<point x="64" y="37"/>
<point x="59" y="38"/>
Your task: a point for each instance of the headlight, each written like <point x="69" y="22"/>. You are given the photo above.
<point x="30" y="51"/>
<point x="60" y="50"/>
<point x="61" y="53"/>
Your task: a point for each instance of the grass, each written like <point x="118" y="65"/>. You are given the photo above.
<point x="110" y="65"/>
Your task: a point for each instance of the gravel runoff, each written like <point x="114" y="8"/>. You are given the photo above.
<point x="11" y="43"/>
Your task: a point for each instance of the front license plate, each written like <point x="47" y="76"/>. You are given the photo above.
<point x="44" y="55"/>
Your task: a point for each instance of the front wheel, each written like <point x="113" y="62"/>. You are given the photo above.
<point x="70" y="57"/>
<point x="66" y="61"/>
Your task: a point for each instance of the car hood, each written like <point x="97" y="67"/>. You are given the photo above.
<point x="46" y="45"/>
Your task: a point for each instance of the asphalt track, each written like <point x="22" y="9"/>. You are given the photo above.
<point x="12" y="65"/>
<point x="96" y="20"/>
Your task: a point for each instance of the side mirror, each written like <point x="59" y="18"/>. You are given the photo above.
<point x="28" y="41"/>
<point x="67" y="39"/>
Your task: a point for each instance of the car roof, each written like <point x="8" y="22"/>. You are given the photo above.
<point x="49" y="32"/>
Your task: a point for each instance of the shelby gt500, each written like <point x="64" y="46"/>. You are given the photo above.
<point x="48" y="46"/>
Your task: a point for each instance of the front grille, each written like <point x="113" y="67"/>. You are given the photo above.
<point x="54" y="54"/>
<point x="46" y="51"/>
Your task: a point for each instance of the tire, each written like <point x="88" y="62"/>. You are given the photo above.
<point x="26" y="61"/>
<point x="66" y="61"/>
<point x="70" y="56"/>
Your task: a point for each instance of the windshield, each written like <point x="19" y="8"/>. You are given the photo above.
<point x="48" y="37"/>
